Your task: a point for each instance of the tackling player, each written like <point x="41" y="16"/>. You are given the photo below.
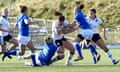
<point x="44" y="57"/>
<point x="92" y="48"/>
<point x="87" y="33"/>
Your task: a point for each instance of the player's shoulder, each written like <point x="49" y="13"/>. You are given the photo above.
<point x="79" y="15"/>
<point x="66" y="21"/>
<point x="87" y="17"/>
<point x="26" y="16"/>
<point x="51" y="46"/>
<point x="98" y="18"/>
<point x="23" y="16"/>
<point x="55" y="23"/>
<point x="1" y="18"/>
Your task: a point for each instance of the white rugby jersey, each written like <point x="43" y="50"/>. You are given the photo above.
<point x="94" y="23"/>
<point x="55" y="25"/>
<point x="5" y="25"/>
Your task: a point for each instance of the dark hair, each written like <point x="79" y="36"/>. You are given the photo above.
<point x="81" y="6"/>
<point x="93" y="10"/>
<point x="61" y="18"/>
<point x="77" y="2"/>
<point x="23" y="8"/>
<point x="57" y="13"/>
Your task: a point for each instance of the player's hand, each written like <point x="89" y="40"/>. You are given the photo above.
<point x="35" y="21"/>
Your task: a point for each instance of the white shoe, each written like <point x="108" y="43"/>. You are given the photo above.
<point x="20" y="57"/>
<point x="28" y="63"/>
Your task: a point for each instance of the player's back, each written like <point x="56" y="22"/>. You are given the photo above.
<point x="47" y="53"/>
<point x="81" y="20"/>
<point x="23" y="28"/>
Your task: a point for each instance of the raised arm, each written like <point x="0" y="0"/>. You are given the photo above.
<point x="30" y="21"/>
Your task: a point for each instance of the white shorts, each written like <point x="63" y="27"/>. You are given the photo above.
<point x="23" y="40"/>
<point x="87" y="34"/>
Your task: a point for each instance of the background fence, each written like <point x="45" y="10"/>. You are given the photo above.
<point x="43" y="28"/>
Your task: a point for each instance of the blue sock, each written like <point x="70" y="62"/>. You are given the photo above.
<point x="93" y="50"/>
<point x="94" y="60"/>
<point x="78" y="48"/>
<point x="13" y="52"/>
<point x="33" y="59"/>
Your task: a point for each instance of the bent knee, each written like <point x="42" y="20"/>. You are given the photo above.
<point x="72" y="50"/>
<point x="22" y="53"/>
<point x="61" y="56"/>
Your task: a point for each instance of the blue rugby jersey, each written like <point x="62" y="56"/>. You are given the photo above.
<point x="81" y="20"/>
<point x="47" y="53"/>
<point x="23" y="29"/>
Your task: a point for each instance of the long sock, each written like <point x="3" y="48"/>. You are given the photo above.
<point x="78" y="48"/>
<point x="70" y="55"/>
<point x="33" y="59"/>
<point x="93" y="50"/>
<point x="94" y="60"/>
<point x="13" y="52"/>
<point x="110" y="55"/>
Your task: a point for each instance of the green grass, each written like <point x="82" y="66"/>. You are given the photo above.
<point x="86" y="65"/>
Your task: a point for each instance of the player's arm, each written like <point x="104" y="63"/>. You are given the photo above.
<point x="58" y="30"/>
<point x="4" y="30"/>
<point x="104" y="30"/>
<point x="70" y="28"/>
<point x="16" y="26"/>
<point x="29" y="21"/>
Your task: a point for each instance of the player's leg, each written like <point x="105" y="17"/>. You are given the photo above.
<point x="19" y="53"/>
<point x="22" y="45"/>
<point x="70" y="47"/>
<point x="77" y="46"/>
<point x="14" y="43"/>
<point x="2" y="45"/>
<point x="102" y="45"/>
<point x="60" y="55"/>
<point x="32" y="49"/>
<point x="92" y="47"/>
<point x="27" y="42"/>
<point x="34" y="58"/>
<point x="60" y="51"/>
<point x="3" y="48"/>
<point x="31" y="46"/>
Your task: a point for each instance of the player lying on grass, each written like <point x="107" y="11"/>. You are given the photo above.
<point x="43" y="58"/>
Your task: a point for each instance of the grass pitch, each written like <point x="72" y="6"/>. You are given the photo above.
<point x="86" y="65"/>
